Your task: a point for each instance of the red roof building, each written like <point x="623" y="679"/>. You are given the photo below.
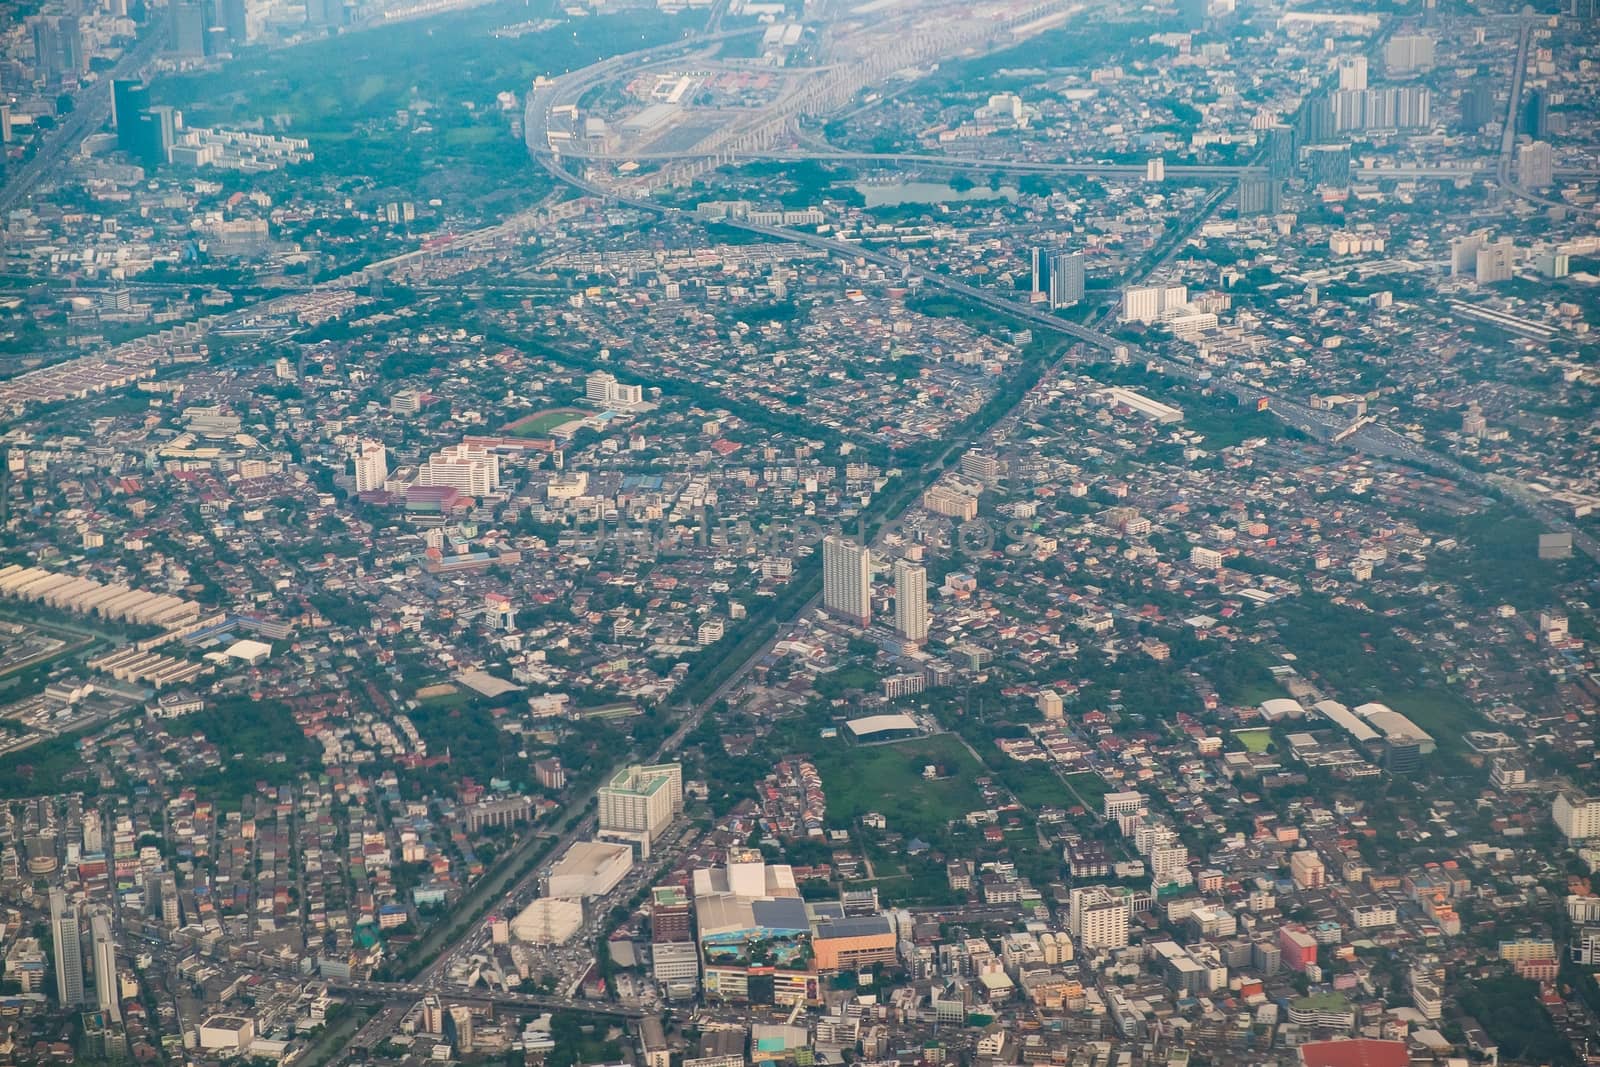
<point x="1357" y="1052"/>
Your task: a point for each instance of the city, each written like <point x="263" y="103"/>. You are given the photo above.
<point x="708" y="533"/>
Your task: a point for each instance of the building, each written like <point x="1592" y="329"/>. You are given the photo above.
<point x="1297" y="947"/>
<point x="1099" y="917"/>
<point x="847" y="579"/>
<point x="602" y="388"/>
<point x="911" y="601"/>
<point x="1329" y="165"/>
<point x="187" y="28"/>
<point x="372" y="466"/>
<point x="1495" y="262"/>
<point x="1534" y="119"/>
<point x="1464" y="253"/>
<point x="1352" y="73"/>
<point x="1577" y="816"/>
<point x="1408" y="53"/>
<point x="750" y="913"/>
<point x="1147" y="303"/>
<point x="1536" y="165"/>
<point x="548" y="921"/>
<point x="67" y="936"/>
<point x="227" y="1034"/>
<point x="1395" y="108"/>
<point x="1259" y="194"/>
<point x="640" y="802"/>
<point x="1063" y="277"/>
<point x="106" y="984"/>
<point x="1355" y="1052"/>
<point x="589" y="869"/>
<point x="1307" y="871"/>
<point x="458" y="1029"/>
<point x="1478" y="105"/>
<point x="474" y="471"/>
<point x="852" y="943"/>
<point x="1116" y="805"/>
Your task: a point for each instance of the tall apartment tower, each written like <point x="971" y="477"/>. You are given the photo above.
<point x="847" y="579"/>
<point x="67" y="934"/>
<point x="1352" y="72"/>
<point x="911" y="600"/>
<point x="1066" y="279"/>
<point x="107" y="994"/>
<point x="372" y="467"/>
<point x="1536" y="164"/>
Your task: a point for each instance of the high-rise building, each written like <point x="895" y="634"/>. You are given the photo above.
<point x="1099" y="915"/>
<point x="1534" y="119"/>
<point x="847" y="579"/>
<point x="640" y="801"/>
<point x="469" y="470"/>
<point x="5" y="124"/>
<point x="1495" y="262"/>
<point x="372" y="467"/>
<point x="324" y="12"/>
<point x="1408" y="53"/>
<point x="1536" y="165"/>
<point x="1396" y="108"/>
<point x="1066" y="279"/>
<point x="1147" y="303"/>
<point x="1041" y="270"/>
<point x="171" y="906"/>
<point x="1280" y="151"/>
<point x="1329" y="165"/>
<point x="236" y="21"/>
<point x="157" y="133"/>
<point x="1464" y="253"/>
<point x="58" y="52"/>
<point x="1193" y="13"/>
<point x="106" y="984"/>
<point x="1352" y="72"/>
<point x="911" y="600"/>
<point x="129" y="97"/>
<point x="1576" y="815"/>
<point x="458" y="1029"/>
<point x="1477" y="105"/>
<point x="67" y="934"/>
<point x="187" y="28"/>
<point x="602" y="387"/>
<point x="1259" y="194"/>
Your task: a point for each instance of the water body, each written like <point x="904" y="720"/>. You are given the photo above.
<point x="896" y="193"/>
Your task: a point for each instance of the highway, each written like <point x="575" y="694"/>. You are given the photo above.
<point x="411" y="992"/>
<point x="1504" y="169"/>
<point x="93" y="107"/>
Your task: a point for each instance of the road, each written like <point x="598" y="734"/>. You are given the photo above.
<point x="411" y="992"/>
<point x="1504" y="170"/>
<point x="93" y="107"/>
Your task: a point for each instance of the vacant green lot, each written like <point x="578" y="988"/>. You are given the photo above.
<point x="1443" y="714"/>
<point x="540" y="424"/>
<point x="1089" y="786"/>
<point x="1256" y="741"/>
<point x="888" y="779"/>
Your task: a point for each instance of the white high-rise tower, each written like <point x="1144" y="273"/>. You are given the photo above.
<point x="847" y="579"/>
<point x="911" y="600"/>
